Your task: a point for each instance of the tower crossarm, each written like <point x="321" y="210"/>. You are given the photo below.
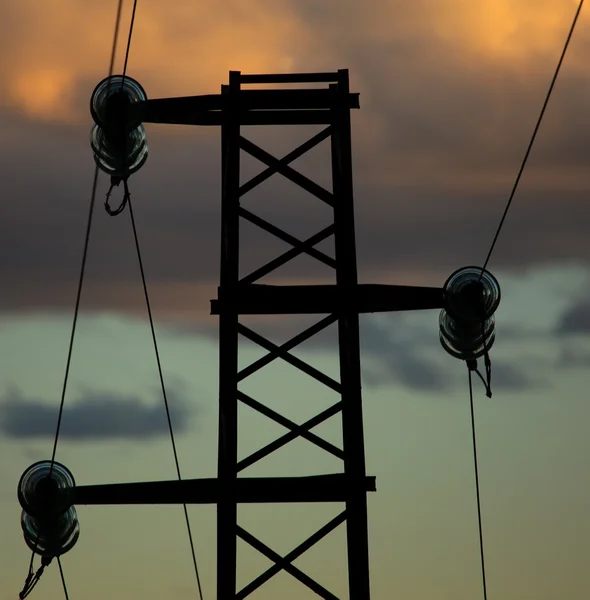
<point x="315" y="488"/>
<point x="254" y="299"/>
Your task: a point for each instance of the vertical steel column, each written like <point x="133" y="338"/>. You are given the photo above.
<point x="348" y="339"/>
<point x="228" y="344"/>
<point x="348" y="327"/>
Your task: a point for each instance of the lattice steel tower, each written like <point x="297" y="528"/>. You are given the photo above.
<point x="340" y="302"/>
<point x="237" y="296"/>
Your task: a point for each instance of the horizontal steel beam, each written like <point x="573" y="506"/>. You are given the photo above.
<point x="248" y="118"/>
<point x="257" y="299"/>
<point x="289" y="77"/>
<point x="257" y="107"/>
<point x="316" y="488"/>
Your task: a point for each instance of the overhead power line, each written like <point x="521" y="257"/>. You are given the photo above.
<point x="163" y="387"/>
<point x="33" y="578"/>
<point x="485" y="264"/>
<point x="535" y="131"/>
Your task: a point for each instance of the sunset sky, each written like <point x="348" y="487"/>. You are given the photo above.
<point x="450" y="91"/>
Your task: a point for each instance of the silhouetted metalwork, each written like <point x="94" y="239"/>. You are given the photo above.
<point x="49" y="521"/>
<point x="467" y="327"/>
<point x="119" y="107"/>
<point x="118" y="138"/>
<point x="330" y="106"/>
<point x="249" y="490"/>
<point x="257" y="299"/>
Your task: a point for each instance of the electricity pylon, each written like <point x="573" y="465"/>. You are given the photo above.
<point x="341" y="302"/>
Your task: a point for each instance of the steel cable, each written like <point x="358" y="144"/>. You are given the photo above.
<point x="534" y="135"/>
<point x="163" y="387"/>
<point x="32" y="578"/>
<point x="477" y="492"/>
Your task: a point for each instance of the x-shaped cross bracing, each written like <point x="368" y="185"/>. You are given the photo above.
<point x="286" y="563"/>
<point x="295" y="430"/>
<point x="274" y="351"/>
<point x="281" y="166"/>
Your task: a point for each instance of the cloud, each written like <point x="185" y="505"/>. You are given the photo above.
<point x="573" y="358"/>
<point x="509" y="377"/>
<point x="94" y="416"/>
<point x="576" y="319"/>
<point x="404" y="353"/>
<point x="392" y="351"/>
<point x="59" y="48"/>
<point x="399" y="350"/>
<point x="407" y="370"/>
<point x="449" y="96"/>
<point x="396" y="354"/>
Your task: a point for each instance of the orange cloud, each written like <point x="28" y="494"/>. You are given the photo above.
<point x="401" y="53"/>
<point x="43" y="92"/>
<point x="182" y="48"/>
<point x="506" y="30"/>
<point x="186" y="47"/>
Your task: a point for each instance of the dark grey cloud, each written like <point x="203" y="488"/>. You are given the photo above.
<point x="396" y="353"/>
<point x="573" y="358"/>
<point x="407" y="365"/>
<point x="407" y="370"/>
<point x="512" y="332"/>
<point x="395" y="350"/>
<point x="575" y="320"/>
<point x="391" y="351"/>
<point x="93" y="416"/>
<point x="513" y="377"/>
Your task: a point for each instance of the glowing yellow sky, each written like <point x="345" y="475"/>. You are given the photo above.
<point x="506" y="30"/>
<point x="188" y="47"/>
<point x="183" y="48"/>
